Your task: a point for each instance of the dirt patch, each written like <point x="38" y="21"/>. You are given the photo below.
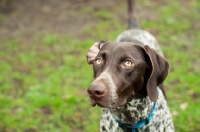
<point x="25" y="18"/>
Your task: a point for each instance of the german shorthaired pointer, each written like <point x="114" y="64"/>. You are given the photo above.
<point x="128" y="82"/>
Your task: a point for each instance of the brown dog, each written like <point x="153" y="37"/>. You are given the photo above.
<point x="128" y="74"/>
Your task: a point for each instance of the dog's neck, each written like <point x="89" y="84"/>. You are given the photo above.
<point x="134" y="111"/>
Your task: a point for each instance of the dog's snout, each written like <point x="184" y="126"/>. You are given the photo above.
<point x="97" y="91"/>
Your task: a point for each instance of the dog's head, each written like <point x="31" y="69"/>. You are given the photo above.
<point x="123" y="70"/>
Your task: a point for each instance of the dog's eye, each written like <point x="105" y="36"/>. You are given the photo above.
<point x="98" y="62"/>
<point x="128" y="63"/>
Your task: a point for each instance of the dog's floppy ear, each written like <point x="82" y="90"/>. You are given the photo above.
<point x="94" y="50"/>
<point x="158" y="71"/>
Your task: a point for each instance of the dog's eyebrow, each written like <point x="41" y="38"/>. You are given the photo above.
<point x="102" y="55"/>
<point x="124" y="57"/>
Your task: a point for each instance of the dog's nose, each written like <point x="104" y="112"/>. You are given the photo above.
<point x="97" y="91"/>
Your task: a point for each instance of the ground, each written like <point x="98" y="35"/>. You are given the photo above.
<point x="43" y="69"/>
<point x="61" y="16"/>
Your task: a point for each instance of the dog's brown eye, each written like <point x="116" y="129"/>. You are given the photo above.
<point x="128" y="63"/>
<point x="98" y="62"/>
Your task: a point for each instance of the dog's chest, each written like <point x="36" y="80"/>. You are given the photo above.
<point x="161" y="122"/>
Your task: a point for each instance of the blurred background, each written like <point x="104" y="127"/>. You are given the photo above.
<point x="43" y="69"/>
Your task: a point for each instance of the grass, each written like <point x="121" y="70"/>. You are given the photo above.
<point x="44" y="80"/>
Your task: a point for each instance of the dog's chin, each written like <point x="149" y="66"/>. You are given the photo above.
<point x="107" y="105"/>
<point x="93" y="102"/>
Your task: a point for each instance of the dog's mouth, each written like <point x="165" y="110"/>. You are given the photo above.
<point x="93" y="102"/>
<point x="99" y="103"/>
<point x="106" y="104"/>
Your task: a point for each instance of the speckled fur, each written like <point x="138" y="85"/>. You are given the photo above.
<point x="140" y="107"/>
<point x="135" y="111"/>
<point x="139" y="36"/>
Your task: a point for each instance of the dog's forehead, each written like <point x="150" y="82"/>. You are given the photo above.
<point x="119" y="48"/>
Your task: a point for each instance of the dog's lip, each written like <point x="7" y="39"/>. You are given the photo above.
<point x="93" y="105"/>
<point x="93" y="102"/>
<point x="100" y="105"/>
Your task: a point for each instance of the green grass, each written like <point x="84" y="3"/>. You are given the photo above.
<point x="44" y="80"/>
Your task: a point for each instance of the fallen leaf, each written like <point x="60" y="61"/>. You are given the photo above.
<point x="175" y="113"/>
<point x="191" y="92"/>
<point x="183" y="106"/>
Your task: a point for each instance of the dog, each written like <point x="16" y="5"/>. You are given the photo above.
<point x="128" y="82"/>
